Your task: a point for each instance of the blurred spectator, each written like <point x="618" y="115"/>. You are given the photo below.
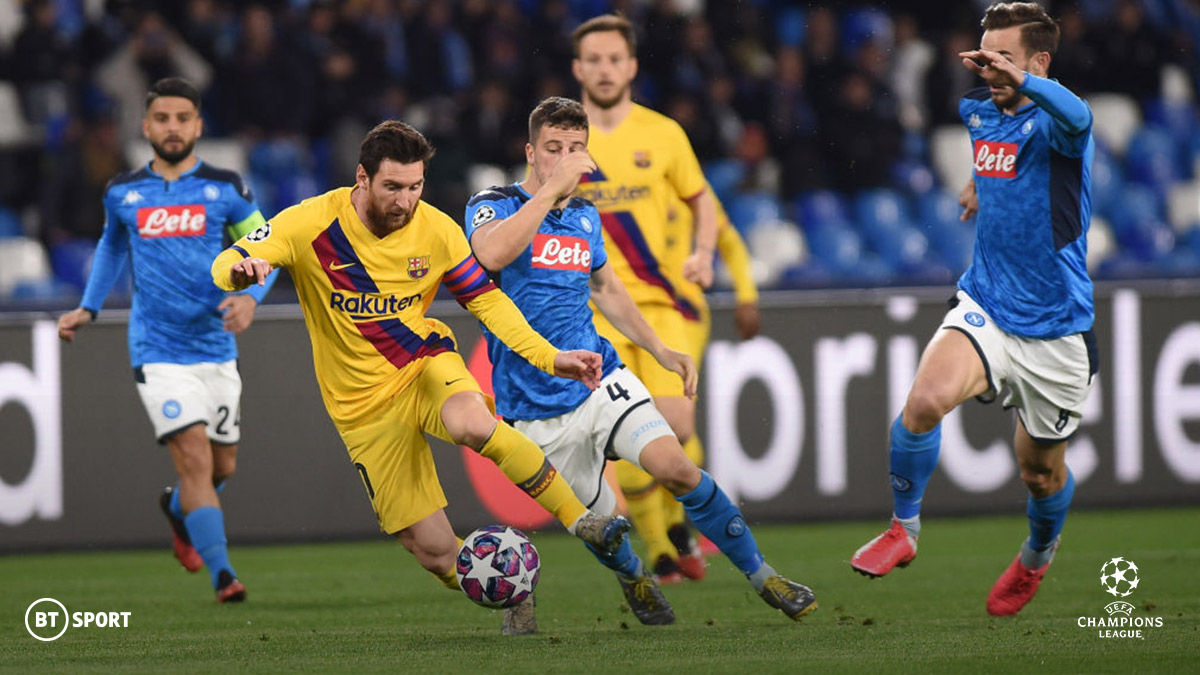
<point x="439" y="56"/>
<point x="793" y="126"/>
<point x="948" y="80"/>
<point x="910" y="66"/>
<point x="1075" y="63"/>
<point x="862" y="142"/>
<point x="71" y="204"/>
<point x="265" y="90"/>
<point x="1131" y="54"/>
<point x="153" y="52"/>
<point x="42" y="61"/>
<point x="493" y="128"/>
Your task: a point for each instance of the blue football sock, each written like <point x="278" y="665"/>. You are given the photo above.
<point x="1047" y="515"/>
<point x="913" y="459"/>
<point x="206" y="528"/>
<point x="718" y="519"/>
<point x="623" y="561"/>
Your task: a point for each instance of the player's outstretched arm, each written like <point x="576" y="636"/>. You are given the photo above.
<point x="233" y="272"/>
<point x="612" y="298"/>
<point x="498" y="313"/>
<point x="733" y="251"/>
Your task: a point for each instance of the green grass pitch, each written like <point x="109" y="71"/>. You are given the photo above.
<point x="367" y="607"/>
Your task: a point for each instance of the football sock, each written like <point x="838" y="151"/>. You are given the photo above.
<point x="913" y="459"/>
<point x="673" y="516"/>
<point x="623" y="561"/>
<point x="206" y="529"/>
<point x="450" y="579"/>
<point x="759" y="578"/>
<point x="721" y="521"/>
<point x="177" y="507"/>
<point x="1046" y="518"/>
<point x="525" y="465"/>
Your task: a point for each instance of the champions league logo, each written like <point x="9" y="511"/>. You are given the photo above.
<point x="1119" y="577"/>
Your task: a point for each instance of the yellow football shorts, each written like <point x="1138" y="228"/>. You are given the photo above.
<point x="670" y="327"/>
<point x="390" y="452"/>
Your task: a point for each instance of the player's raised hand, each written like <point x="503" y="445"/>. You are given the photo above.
<point x="580" y="364"/>
<point x="71" y="321"/>
<point x="969" y="201"/>
<point x="698" y="268"/>
<point x="237" y="312"/>
<point x="566" y="173"/>
<point x="996" y="70"/>
<point x="747" y="319"/>
<point x="249" y="271"/>
<point x="682" y="365"/>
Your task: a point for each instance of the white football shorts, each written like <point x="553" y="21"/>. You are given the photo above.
<point x="176" y="396"/>
<point x="617" y="421"/>
<point x="1047" y="381"/>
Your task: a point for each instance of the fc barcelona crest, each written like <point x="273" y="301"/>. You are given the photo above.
<point x="418" y="267"/>
<point x="641" y="159"/>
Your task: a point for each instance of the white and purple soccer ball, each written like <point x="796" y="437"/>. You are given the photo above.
<point x="497" y="566"/>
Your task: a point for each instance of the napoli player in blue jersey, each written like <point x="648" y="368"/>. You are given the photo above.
<point x="545" y="249"/>
<point x="169" y="218"/>
<point x="1021" y="319"/>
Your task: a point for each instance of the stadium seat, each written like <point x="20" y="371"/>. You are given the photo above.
<point x="778" y="245"/>
<point x="724" y="175"/>
<point x="1101" y="243"/>
<point x="836" y="244"/>
<point x="10" y="223"/>
<point x="483" y="176"/>
<point x="1146" y="239"/>
<point x="938" y="206"/>
<point x="1178" y="118"/>
<point x="821" y="206"/>
<point x="1117" y="117"/>
<point x="912" y="176"/>
<point x="21" y="259"/>
<point x="900" y="245"/>
<point x="952" y="241"/>
<point x="1107" y="181"/>
<point x="13" y="129"/>
<point x="951" y="154"/>
<point x="878" y="208"/>
<point x="1152" y="159"/>
<point x="1183" y="206"/>
<point x="71" y="261"/>
<point x="1134" y="202"/>
<point x="749" y="209"/>
<point x="44" y="290"/>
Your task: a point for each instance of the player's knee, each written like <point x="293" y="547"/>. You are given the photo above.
<point x="671" y="468"/>
<point x="473" y="431"/>
<point x="923" y="411"/>
<point x="1042" y="480"/>
<point x="224" y="466"/>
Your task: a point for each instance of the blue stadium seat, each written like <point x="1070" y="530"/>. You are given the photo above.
<point x="71" y="261"/>
<point x="1107" y="182"/>
<point x="1153" y="159"/>
<point x="836" y="244"/>
<point x="1146" y="239"/>
<point x="938" y="206"/>
<point x="913" y="176"/>
<point x="871" y="270"/>
<point x="1133" y="203"/>
<point x="1178" y="118"/>
<point x="821" y="206"/>
<point x="952" y="241"/>
<point x="1124" y="266"/>
<point x="864" y="25"/>
<point x="724" y="175"/>
<point x="44" y="290"/>
<point x="810" y="274"/>
<point x="880" y="208"/>
<point x="746" y="210"/>
<point x="901" y="246"/>
<point x="10" y="223"/>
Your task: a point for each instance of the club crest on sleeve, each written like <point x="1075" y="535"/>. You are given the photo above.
<point x="418" y="266"/>
<point x="483" y="215"/>
<point x="212" y="193"/>
<point x="261" y="233"/>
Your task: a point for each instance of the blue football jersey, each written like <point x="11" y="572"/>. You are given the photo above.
<point x="549" y="282"/>
<point x="171" y="231"/>
<point x="1033" y="179"/>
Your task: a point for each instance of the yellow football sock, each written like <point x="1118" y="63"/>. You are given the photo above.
<point x="645" y="504"/>
<point x="524" y="464"/>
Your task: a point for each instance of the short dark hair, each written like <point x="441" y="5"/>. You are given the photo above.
<point x="173" y="86"/>
<point x="1039" y="32"/>
<point x="558" y="112"/>
<point x="603" y="24"/>
<point x="396" y="141"/>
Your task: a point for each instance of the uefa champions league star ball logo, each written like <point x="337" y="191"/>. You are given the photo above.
<point x="1119" y="577"/>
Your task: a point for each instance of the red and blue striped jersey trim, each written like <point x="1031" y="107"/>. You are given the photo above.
<point x="625" y="233"/>
<point x="467" y="280"/>
<point x="340" y="261"/>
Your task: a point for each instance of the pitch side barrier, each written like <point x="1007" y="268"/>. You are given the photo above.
<point x="795" y="424"/>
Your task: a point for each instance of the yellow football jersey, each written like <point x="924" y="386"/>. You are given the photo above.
<point x="364" y="298"/>
<point x="642" y="165"/>
<point x="730" y="246"/>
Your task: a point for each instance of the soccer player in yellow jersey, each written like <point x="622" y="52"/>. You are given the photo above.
<point x="367" y="262"/>
<point x="644" y="161"/>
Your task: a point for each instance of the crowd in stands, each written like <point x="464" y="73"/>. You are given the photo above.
<point x="836" y="120"/>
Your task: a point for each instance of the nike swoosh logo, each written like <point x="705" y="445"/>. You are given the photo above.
<point x="450" y="382"/>
<point x="340" y="266"/>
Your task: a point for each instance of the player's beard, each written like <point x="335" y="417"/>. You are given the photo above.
<point x="1007" y="99"/>
<point x="606" y="103"/>
<point x="383" y="220"/>
<point x="173" y="157"/>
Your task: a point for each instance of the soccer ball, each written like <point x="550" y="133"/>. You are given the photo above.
<point x="1119" y="577"/>
<point x="497" y="566"/>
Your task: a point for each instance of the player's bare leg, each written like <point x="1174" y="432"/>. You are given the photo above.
<point x="433" y="543"/>
<point x="950" y="372"/>
<point x="1051" y="487"/>
<point x="469" y="422"/>
<point x="193" y="455"/>
<point x="716" y="516"/>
